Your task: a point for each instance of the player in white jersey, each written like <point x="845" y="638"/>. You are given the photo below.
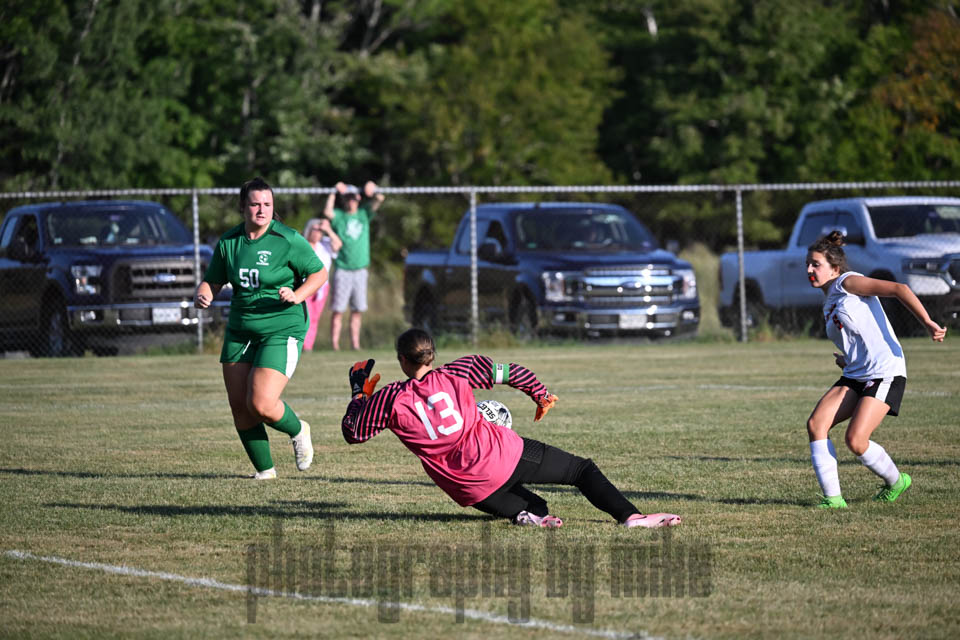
<point x="874" y="370"/>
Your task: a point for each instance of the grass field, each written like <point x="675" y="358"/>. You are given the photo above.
<point x="122" y="485"/>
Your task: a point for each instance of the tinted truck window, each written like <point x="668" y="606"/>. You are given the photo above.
<point x="581" y="230"/>
<point x="111" y="227"/>
<point x="904" y="221"/>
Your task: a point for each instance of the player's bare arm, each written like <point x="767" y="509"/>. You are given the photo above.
<point x="328" y="207"/>
<point x="864" y="286"/>
<point x="371" y="192"/>
<point x="309" y="287"/>
<point x="206" y="292"/>
<point x="335" y="241"/>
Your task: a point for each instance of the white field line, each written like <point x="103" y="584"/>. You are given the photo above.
<point x="210" y="583"/>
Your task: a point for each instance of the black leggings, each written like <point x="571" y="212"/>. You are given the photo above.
<point x="542" y="464"/>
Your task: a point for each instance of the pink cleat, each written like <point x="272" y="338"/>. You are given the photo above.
<point x="525" y="518"/>
<point x="652" y="520"/>
<point x="551" y="522"/>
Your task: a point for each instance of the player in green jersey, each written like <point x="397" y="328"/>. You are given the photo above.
<point x="272" y="269"/>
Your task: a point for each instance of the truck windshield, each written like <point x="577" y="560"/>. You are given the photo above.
<point x="91" y="227"/>
<point x="904" y="221"/>
<point x="582" y="230"/>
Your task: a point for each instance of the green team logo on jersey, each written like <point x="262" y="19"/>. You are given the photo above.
<point x="262" y="257"/>
<point x="354" y="229"/>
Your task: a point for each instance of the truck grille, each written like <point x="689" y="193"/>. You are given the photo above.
<point x="170" y="279"/>
<point x="625" y="302"/>
<point x="625" y="286"/>
<point x="639" y="270"/>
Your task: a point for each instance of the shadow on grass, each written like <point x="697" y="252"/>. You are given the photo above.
<point x="417" y="483"/>
<point x="653" y="496"/>
<point x="198" y="476"/>
<point x="303" y="510"/>
<point x="98" y="475"/>
<point x="282" y="510"/>
<point x="270" y="511"/>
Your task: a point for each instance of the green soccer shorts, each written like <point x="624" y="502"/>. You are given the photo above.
<point x="279" y="352"/>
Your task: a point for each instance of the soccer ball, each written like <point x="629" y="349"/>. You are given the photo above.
<point x="495" y="412"/>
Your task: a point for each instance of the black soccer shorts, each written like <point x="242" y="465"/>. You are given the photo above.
<point x="887" y="390"/>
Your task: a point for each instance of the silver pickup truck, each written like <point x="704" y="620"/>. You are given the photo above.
<point x="910" y="239"/>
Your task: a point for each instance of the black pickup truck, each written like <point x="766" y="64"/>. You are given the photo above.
<point x="585" y="269"/>
<point x="77" y="274"/>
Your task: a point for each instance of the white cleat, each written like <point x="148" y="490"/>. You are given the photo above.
<point x="303" y="447"/>
<point x="652" y="520"/>
<point x="266" y="474"/>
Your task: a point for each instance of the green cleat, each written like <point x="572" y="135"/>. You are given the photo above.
<point x="832" y="502"/>
<point x="889" y="494"/>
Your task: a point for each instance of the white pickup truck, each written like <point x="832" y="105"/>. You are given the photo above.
<point x="910" y="239"/>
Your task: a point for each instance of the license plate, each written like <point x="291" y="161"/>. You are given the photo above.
<point x="166" y="315"/>
<point x="633" y="321"/>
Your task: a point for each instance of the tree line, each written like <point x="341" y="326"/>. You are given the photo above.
<point x="181" y="93"/>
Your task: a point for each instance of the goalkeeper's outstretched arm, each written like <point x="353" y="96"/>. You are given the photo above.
<point x="482" y="373"/>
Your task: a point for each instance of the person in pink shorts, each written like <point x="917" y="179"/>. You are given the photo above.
<point x="326" y="243"/>
<point x="477" y="463"/>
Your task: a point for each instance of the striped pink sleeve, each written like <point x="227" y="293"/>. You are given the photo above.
<point x="482" y="373"/>
<point x="366" y="417"/>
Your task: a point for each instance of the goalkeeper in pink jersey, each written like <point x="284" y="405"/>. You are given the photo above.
<point x="477" y="463"/>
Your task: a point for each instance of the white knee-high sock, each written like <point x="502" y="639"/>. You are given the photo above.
<point x="823" y="455"/>
<point x="879" y="461"/>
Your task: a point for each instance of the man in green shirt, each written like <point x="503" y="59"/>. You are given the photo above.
<point x="351" y="221"/>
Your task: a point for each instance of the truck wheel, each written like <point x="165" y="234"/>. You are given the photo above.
<point x="425" y="314"/>
<point x="55" y="339"/>
<point x="523" y="319"/>
<point x="757" y="314"/>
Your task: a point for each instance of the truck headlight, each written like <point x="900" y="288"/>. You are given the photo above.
<point x="555" y="286"/>
<point x="688" y="283"/>
<point x="86" y="278"/>
<point x="927" y="266"/>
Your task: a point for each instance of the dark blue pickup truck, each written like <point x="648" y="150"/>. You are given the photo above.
<point x="73" y="274"/>
<point x="562" y="267"/>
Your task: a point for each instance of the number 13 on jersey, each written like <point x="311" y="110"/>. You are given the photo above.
<point x="441" y="404"/>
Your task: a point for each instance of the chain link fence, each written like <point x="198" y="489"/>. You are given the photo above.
<point x="114" y="271"/>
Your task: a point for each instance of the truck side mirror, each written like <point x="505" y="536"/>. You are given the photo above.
<point x="490" y="250"/>
<point x="19" y="250"/>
